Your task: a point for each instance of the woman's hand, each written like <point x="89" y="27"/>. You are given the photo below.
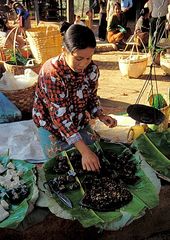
<point x="90" y="161"/>
<point x="108" y="120"/>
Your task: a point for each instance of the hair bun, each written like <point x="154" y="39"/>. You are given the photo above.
<point x="64" y="27"/>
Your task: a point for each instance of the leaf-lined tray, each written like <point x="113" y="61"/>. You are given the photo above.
<point x="18" y="212"/>
<point x="88" y="217"/>
<point x="154" y="148"/>
<point x="162" y="177"/>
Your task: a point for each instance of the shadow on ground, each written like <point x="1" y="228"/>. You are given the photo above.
<point x="153" y="77"/>
<point x="114" y="107"/>
<point x="112" y="65"/>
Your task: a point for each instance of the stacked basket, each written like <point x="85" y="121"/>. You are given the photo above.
<point x="19" y="69"/>
<point x="45" y="42"/>
<point x="22" y="98"/>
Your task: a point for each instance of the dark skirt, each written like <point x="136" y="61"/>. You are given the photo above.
<point x="102" y="26"/>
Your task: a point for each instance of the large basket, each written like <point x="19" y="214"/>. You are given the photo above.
<point x="10" y="44"/>
<point x="22" y="98"/>
<point x="2" y="39"/>
<point x="133" y="67"/>
<point x="165" y="62"/>
<point x="18" y="69"/>
<point x="45" y="42"/>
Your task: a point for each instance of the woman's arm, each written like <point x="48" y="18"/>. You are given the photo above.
<point x="94" y="107"/>
<point x="112" y="23"/>
<point x="90" y="161"/>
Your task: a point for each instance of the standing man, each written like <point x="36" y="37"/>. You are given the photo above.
<point x="126" y="6"/>
<point x="159" y="9"/>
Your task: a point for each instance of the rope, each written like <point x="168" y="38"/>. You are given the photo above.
<point x="153" y="55"/>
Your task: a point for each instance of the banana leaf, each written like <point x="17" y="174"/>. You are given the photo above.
<point x="145" y="196"/>
<point x="154" y="148"/>
<point x="18" y="212"/>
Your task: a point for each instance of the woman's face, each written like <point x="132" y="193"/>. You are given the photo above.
<point x="117" y="10"/>
<point x="79" y="59"/>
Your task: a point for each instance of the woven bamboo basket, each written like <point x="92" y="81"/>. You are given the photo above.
<point x="18" y="69"/>
<point x="2" y="39"/>
<point x="133" y="67"/>
<point x="165" y="62"/>
<point x="11" y="67"/>
<point x="45" y="42"/>
<point x="22" y="98"/>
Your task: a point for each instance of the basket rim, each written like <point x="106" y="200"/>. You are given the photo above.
<point x="21" y="66"/>
<point x="18" y="90"/>
<point x="127" y="61"/>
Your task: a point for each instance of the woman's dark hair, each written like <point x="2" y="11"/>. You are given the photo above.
<point x="78" y="37"/>
<point x="144" y="11"/>
<point x="64" y="27"/>
<point x="117" y="4"/>
<point x="3" y="26"/>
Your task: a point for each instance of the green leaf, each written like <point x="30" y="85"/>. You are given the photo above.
<point x="18" y="212"/>
<point x="153" y="148"/>
<point x="144" y="193"/>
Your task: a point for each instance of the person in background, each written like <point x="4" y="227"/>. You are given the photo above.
<point x="102" y="20"/>
<point x="78" y="20"/>
<point x="7" y="39"/>
<point x="89" y="18"/>
<point x="168" y="19"/>
<point x="23" y="16"/>
<point x="3" y="26"/>
<point x="139" y="6"/>
<point x="142" y="27"/>
<point x="109" y="8"/>
<point x="158" y="9"/>
<point x="66" y="96"/>
<point x="117" y="32"/>
<point x="126" y="5"/>
<point x="3" y="34"/>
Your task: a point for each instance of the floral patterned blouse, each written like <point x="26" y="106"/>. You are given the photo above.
<point x="63" y="98"/>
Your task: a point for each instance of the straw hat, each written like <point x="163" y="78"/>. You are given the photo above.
<point x="15" y="4"/>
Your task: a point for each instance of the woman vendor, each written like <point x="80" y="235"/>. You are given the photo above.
<point x="66" y="98"/>
<point x="117" y="32"/>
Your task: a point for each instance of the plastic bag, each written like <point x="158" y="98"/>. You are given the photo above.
<point x="7" y="81"/>
<point x="28" y="79"/>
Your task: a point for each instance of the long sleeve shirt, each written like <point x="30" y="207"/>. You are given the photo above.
<point x="158" y="8"/>
<point x="63" y="98"/>
<point x="114" y="21"/>
<point x="126" y="4"/>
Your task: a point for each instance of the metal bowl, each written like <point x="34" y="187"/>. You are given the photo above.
<point x="145" y="114"/>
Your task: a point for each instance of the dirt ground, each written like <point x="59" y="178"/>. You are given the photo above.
<point x="117" y="92"/>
